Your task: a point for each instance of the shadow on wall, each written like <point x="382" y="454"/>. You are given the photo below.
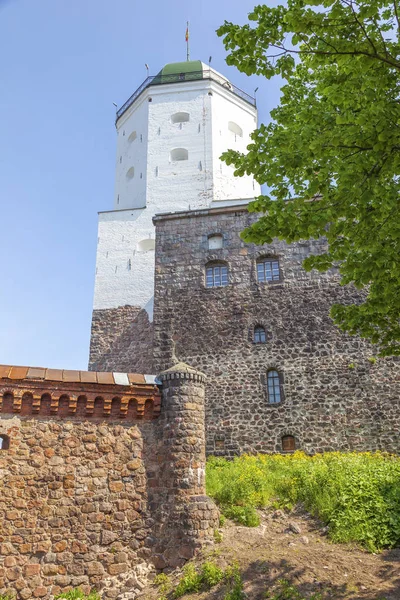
<point x="121" y="340"/>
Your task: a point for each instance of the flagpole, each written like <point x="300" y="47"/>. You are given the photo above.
<point x="187" y="42"/>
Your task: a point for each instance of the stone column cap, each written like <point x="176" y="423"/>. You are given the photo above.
<point x="182" y="371"/>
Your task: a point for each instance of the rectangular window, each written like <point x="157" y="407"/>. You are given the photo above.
<point x="274" y="387"/>
<point x="216" y="276"/>
<point x="268" y="270"/>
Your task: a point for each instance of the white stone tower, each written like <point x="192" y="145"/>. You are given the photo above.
<point x="171" y="134"/>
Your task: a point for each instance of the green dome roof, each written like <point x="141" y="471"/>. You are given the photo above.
<point x="180" y="71"/>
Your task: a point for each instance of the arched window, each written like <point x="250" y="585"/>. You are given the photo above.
<point x="268" y="270"/>
<point x="146" y="245"/>
<point x="4" y="442"/>
<point x="234" y="128"/>
<point x="180" y="117"/>
<point x="274" y="387"/>
<point x="132" y="137"/>
<point x="179" y="154"/>
<point x="260" y="336"/>
<point x="215" y="241"/>
<point x="288" y="443"/>
<point x="216" y="275"/>
<point x="130" y="174"/>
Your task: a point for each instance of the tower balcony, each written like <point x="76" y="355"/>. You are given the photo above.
<point x="180" y="72"/>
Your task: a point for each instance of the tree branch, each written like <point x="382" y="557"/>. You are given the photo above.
<point x="392" y="63"/>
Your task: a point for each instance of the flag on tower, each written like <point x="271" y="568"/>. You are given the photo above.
<point x="187" y="41"/>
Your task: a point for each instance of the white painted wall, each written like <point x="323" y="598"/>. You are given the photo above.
<point x="124" y="274"/>
<point x="117" y="283"/>
<point x="226" y="108"/>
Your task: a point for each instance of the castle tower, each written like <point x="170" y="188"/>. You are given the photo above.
<point x="170" y="136"/>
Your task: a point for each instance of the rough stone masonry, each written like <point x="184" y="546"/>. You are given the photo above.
<point x="100" y="481"/>
<point x="335" y="394"/>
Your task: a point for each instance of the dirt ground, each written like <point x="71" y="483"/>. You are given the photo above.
<point x="296" y="548"/>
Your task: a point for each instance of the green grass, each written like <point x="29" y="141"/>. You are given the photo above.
<point x="287" y="591"/>
<point x="194" y="580"/>
<point x="356" y="494"/>
<point x="77" y="594"/>
<point x="207" y="576"/>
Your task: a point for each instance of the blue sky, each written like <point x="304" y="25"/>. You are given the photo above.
<point x="63" y="65"/>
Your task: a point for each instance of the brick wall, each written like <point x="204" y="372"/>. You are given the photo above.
<point x="335" y="396"/>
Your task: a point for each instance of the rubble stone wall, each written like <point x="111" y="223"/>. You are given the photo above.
<point x="336" y="395"/>
<point x="121" y="340"/>
<point x="73" y="503"/>
<point x="95" y="496"/>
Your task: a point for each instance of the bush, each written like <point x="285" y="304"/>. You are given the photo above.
<point x="235" y="583"/>
<point x="207" y="577"/>
<point x="356" y="494"/>
<point x="246" y="515"/>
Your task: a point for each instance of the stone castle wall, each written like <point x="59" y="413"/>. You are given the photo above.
<point x="335" y="396"/>
<point x="93" y="477"/>
<point x="121" y="340"/>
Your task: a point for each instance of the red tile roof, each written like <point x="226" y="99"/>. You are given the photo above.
<point x="69" y="376"/>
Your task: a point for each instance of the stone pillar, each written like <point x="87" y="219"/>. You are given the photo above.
<point x="188" y="516"/>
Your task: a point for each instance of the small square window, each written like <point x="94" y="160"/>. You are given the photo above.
<point x="259" y="335"/>
<point x="288" y="443"/>
<point x="4" y="442"/>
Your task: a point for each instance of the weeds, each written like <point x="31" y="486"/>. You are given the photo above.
<point x="287" y="591"/>
<point x="356" y="494"/>
<point x="217" y="536"/>
<point x="163" y="582"/>
<point x="77" y="594"/>
<point x="194" y="581"/>
<point x="234" y="581"/>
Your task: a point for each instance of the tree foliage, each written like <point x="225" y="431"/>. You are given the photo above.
<point x="330" y="155"/>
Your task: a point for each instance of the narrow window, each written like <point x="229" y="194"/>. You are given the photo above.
<point x="288" y="443"/>
<point x="216" y="275"/>
<point x="274" y="387"/>
<point x="268" y="270"/>
<point x="180" y="117"/>
<point x="215" y="241"/>
<point x="130" y="174"/>
<point x="146" y="245"/>
<point x="234" y="128"/>
<point x="132" y="137"/>
<point x="4" y="442"/>
<point x="259" y="335"/>
<point x="179" y="154"/>
<point x="129" y="264"/>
